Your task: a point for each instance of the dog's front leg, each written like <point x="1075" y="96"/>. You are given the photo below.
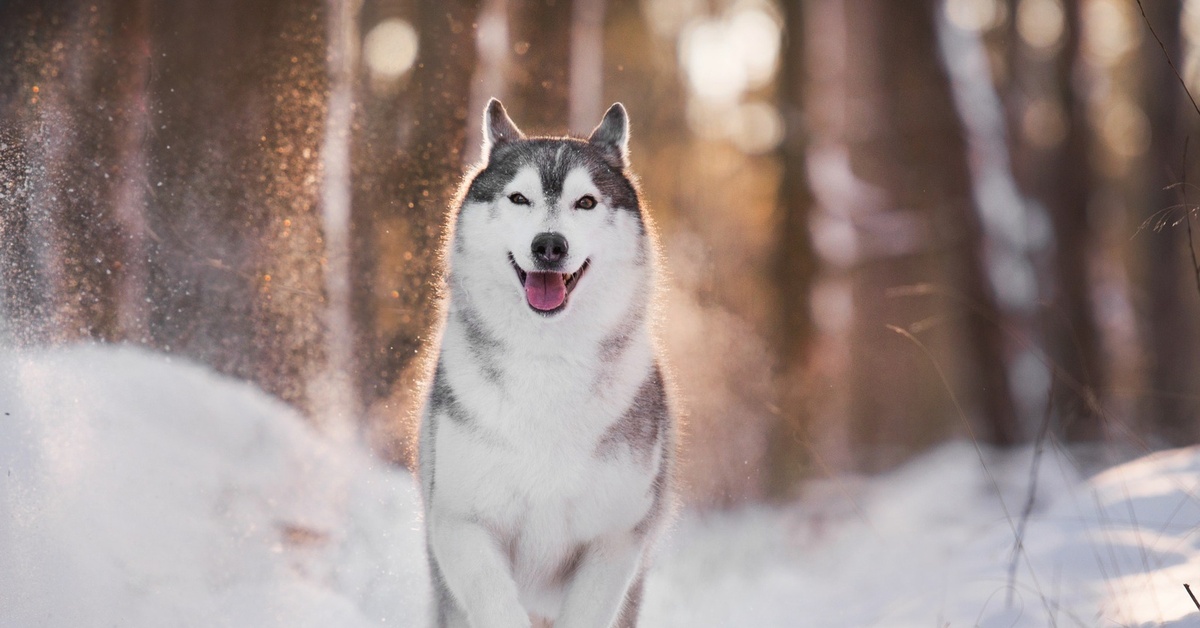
<point x="597" y="592"/>
<point x="477" y="574"/>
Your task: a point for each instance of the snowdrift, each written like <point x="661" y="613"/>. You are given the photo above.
<point x="138" y="490"/>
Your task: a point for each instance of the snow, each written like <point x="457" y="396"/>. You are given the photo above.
<point x="930" y="544"/>
<point x="141" y="490"/>
<point x="137" y="490"/>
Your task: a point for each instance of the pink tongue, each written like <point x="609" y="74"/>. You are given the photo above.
<point x="545" y="291"/>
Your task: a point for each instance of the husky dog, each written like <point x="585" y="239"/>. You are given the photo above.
<point x="547" y="438"/>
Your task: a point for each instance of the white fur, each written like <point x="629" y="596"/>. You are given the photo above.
<point x="520" y="488"/>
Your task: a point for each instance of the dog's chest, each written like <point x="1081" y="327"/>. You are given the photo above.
<point x="532" y="466"/>
<point x="533" y="460"/>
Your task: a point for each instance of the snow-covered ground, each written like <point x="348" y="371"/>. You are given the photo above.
<point x="137" y="490"/>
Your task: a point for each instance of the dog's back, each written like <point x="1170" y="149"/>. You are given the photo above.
<point x="547" y="439"/>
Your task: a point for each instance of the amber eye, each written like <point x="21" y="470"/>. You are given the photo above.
<point x="518" y="199"/>
<point x="586" y="202"/>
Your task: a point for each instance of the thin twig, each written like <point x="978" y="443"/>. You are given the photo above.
<point x="978" y="450"/>
<point x="1171" y="63"/>
<point x="1182" y="83"/>
<point x="1081" y="389"/>
<point x="1188" y="212"/>
<point x="1191" y="595"/>
<point x="1031" y="494"/>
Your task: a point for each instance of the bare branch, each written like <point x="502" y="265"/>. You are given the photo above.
<point x="1171" y="63"/>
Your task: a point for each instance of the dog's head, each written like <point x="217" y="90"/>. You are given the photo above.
<point x="549" y="227"/>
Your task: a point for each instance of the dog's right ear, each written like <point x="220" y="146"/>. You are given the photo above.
<point x="498" y="127"/>
<point x="612" y="136"/>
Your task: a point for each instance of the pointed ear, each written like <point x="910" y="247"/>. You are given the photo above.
<point x="612" y="135"/>
<point x="498" y="127"/>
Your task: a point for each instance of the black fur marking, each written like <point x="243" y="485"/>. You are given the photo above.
<point x="544" y="155"/>
<point x="482" y="345"/>
<point x="443" y="400"/>
<point x="641" y="427"/>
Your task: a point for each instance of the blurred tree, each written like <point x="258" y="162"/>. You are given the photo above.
<point x="239" y="104"/>
<point x="795" y="264"/>
<point x="131" y="120"/>
<point x="27" y="30"/>
<point x="915" y="151"/>
<point x="1169" y="312"/>
<point x="337" y="403"/>
<point x="415" y="187"/>
<point x="59" y="98"/>
<point x="1053" y="158"/>
<point x="1064" y="183"/>
<point x="382" y="122"/>
<point x="587" y="65"/>
<point x="539" y="88"/>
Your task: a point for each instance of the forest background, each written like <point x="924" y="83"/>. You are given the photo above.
<point x="886" y="225"/>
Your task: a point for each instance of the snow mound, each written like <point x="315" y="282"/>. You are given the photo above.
<point x="140" y="491"/>
<point x="931" y="543"/>
<point x="137" y="490"/>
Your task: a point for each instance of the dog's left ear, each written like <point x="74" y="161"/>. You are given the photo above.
<point x="612" y="136"/>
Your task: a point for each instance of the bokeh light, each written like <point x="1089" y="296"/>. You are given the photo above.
<point x="1109" y="30"/>
<point x="390" y="48"/>
<point x="726" y="56"/>
<point x="976" y="15"/>
<point x="1040" y="22"/>
<point x="1125" y="128"/>
<point x="1044" y="124"/>
<point x="756" y="128"/>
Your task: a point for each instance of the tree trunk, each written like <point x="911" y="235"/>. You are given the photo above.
<point x="129" y="200"/>
<point x="423" y="183"/>
<point x="587" y="65"/>
<point x="915" y="152"/>
<point x="236" y="275"/>
<point x="795" y="264"/>
<point x="337" y="397"/>
<point x="1066" y="186"/>
<point x="538" y="80"/>
<point x="1169" y="305"/>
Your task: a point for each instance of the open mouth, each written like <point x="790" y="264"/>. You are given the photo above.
<point x="547" y="292"/>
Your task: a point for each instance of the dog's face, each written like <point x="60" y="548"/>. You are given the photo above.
<point x="551" y="228"/>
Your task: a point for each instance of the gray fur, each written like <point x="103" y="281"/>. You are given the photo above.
<point x="612" y="136"/>
<point x="640" y="427"/>
<point x="605" y="155"/>
<point x="658" y="488"/>
<point x="553" y="158"/>
<point x="427" y="450"/>
<point x="570" y="564"/>
<point x="447" y="612"/>
<point x="612" y="348"/>
<point x="633" y="603"/>
<point x="443" y="401"/>
<point x="569" y="556"/>
<point x="483" y="345"/>
<point x="497" y="126"/>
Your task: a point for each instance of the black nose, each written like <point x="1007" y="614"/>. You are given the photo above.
<point x="549" y="248"/>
